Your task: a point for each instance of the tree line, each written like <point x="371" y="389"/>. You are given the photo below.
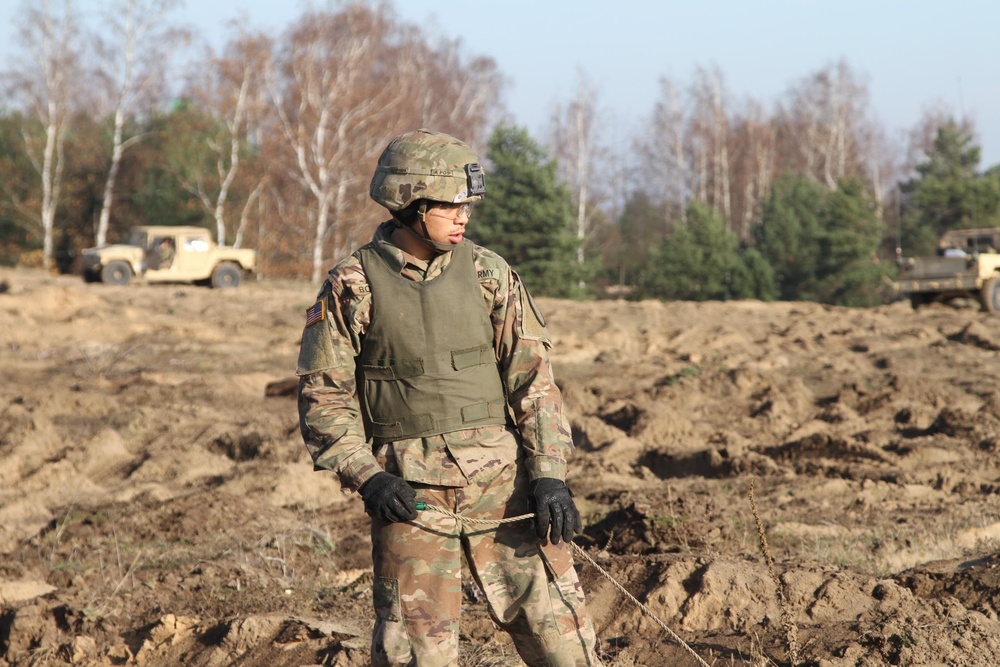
<point x="271" y="141"/>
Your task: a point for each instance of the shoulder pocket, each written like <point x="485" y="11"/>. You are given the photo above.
<point x="530" y="323"/>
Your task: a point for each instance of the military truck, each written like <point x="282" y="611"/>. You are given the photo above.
<point x="157" y="254"/>
<point x="966" y="265"/>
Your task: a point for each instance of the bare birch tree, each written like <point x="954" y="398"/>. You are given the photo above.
<point x="824" y="122"/>
<point x="135" y="62"/>
<point x="664" y="162"/>
<point x="328" y="91"/>
<point x="756" y="168"/>
<point x="46" y="82"/>
<point x="884" y="161"/>
<point x="921" y="137"/>
<point x="342" y="85"/>
<point x="711" y="136"/>
<point x="471" y="90"/>
<point x="228" y="88"/>
<point x="579" y="154"/>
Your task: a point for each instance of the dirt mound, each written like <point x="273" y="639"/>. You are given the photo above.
<point x="157" y="506"/>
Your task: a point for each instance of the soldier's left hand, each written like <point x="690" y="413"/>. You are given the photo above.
<point x="555" y="511"/>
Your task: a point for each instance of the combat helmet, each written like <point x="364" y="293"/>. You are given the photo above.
<point x="425" y="164"/>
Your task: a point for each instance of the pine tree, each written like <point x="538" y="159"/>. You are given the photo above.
<point x="527" y="217"/>
<point x="848" y="271"/>
<point x="639" y="230"/>
<point x="948" y="193"/>
<point x="822" y="244"/>
<point x="789" y="231"/>
<point x="754" y="277"/>
<point x="698" y="260"/>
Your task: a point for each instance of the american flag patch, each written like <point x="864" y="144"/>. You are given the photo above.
<point x="316" y="314"/>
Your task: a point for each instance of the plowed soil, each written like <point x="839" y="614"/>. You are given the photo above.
<point x="779" y="484"/>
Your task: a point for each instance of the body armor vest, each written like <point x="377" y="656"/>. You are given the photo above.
<point x="427" y="362"/>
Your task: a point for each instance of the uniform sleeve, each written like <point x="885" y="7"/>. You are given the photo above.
<point x="536" y="403"/>
<point x="329" y="412"/>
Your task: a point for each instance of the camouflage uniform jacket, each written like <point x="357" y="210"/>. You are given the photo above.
<point x="329" y="411"/>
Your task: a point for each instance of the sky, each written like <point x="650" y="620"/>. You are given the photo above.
<point x="912" y="54"/>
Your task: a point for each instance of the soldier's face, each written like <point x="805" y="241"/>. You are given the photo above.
<point x="446" y="222"/>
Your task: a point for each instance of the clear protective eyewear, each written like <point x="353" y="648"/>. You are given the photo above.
<point x="455" y="210"/>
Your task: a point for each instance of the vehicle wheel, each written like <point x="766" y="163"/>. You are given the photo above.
<point x="226" y="275"/>
<point x="989" y="296"/>
<point x="116" y="273"/>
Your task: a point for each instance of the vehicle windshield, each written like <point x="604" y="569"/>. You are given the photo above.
<point x="970" y="240"/>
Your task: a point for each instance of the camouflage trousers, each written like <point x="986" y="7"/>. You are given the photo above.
<point x="531" y="588"/>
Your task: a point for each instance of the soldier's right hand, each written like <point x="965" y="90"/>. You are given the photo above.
<point x="389" y="498"/>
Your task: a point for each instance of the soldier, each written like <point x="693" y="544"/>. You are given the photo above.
<point x="424" y="376"/>
<point x="165" y="253"/>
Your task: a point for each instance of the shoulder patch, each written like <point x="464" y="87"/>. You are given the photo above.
<point x="319" y="348"/>
<point x="316" y="313"/>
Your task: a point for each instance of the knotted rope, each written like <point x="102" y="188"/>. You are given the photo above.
<point x="579" y="550"/>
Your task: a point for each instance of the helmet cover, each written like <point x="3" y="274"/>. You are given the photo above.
<point x="425" y="164"/>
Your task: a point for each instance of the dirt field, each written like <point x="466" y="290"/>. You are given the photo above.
<point x="157" y="507"/>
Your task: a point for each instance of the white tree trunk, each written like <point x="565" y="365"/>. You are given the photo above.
<point x="139" y="18"/>
<point x="323" y="217"/>
<point x="680" y="181"/>
<point x="702" y="161"/>
<point x="52" y="170"/>
<point x="720" y="153"/>
<point x="109" y="184"/>
<point x="582" y="175"/>
<point x="577" y="154"/>
<point x="228" y="173"/>
<point x="46" y="84"/>
<point x="245" y="215"/>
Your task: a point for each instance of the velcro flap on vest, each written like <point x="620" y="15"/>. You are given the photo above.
<point x="481" y="411"/>
<point x="474" y="356"/>
<point x="397" y="429"/>
<point x="395" y="370"/>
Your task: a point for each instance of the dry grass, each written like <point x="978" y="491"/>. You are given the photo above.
<point x="100" y="360"/>
<point x="787" y="619"/>
<point x="490" y="654"/>
<point x="883" y="547"/>
<point x="757" y="656"/>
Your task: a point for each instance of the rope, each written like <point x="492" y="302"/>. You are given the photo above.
<point x="579" y="550"/>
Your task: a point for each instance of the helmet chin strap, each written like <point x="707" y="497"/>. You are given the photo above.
<point x="425" y="238"/>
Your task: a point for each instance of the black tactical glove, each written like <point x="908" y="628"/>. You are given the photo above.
<point x="389" y="498"/>
<point x="553" y="503"/>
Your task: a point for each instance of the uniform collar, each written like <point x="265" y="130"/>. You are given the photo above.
<point x="400" y="260"/>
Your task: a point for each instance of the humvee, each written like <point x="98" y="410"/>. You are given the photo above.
<point x="967" y="265"/>
<point x="193" y="257"/>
